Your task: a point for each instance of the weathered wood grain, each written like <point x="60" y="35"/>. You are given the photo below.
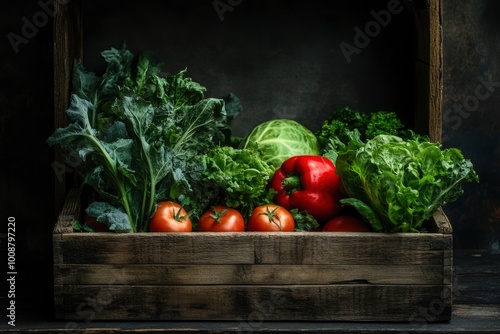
<point x="429" y="68"/>
<point x="68" y="46"/>
<point x="232" y="274"/>
<point x="255" y="248"/>
<point x="362" y="302"/>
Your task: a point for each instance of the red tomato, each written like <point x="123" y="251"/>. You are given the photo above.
<point x="271" y="218"/>
<point x="346" y="224"/>
<point x="221" y="219"/>
<point x="170" y="217"/>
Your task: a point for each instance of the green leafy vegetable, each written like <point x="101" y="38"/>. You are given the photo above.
<point x="240" y="177"/>
<point x="342" y="122"/>
<point x="281" y="139"/>
<point x="403" y="181"/>
<point x="303" y="221"/>
<point x="141" y="137"/>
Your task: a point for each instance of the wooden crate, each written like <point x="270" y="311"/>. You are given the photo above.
<point x="252" y="276"/>
<point x="248" y="277"/>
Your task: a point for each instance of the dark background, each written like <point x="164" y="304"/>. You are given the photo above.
<point x="471" y="56"/>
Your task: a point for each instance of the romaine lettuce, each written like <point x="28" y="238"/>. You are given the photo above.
<point x="403" y="182"/>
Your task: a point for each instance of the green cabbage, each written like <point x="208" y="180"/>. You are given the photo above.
<point x="398" y="184"/>
<point x="281" y="139"/>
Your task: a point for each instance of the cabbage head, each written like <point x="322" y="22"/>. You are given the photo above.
<point x="280" y="139"/>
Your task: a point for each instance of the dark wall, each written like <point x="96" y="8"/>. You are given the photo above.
<point x="471" y="58"/>
<point x="471" y="115"/>
<point x="26" y="176"/>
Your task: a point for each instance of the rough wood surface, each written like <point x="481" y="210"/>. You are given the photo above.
<point x="287" y="302"/>
<point x="67" y="47"/>
<point x="476" y="309"/>
<point x="255" y="248"/>
<point x="69" y="213"/>
<point x="246" y="274"/>
<point x="429" y="68"/>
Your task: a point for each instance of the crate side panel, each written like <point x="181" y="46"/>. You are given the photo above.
<point x="233" y="274"/>
<point x="255" y="248"/>
<point x="298" y="302"/>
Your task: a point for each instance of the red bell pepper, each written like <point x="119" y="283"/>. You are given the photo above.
<point x="308" y="183"/>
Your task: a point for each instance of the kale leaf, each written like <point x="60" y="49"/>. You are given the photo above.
<point x="141" y="136"/>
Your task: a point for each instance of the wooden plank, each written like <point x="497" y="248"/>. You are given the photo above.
<point x="441" y="223"/>
<point x="436" y="70"/>
<point x="67" y="47"/>
<point x="255" y="248"/>
<point x="95" y="274"/>
<point x="59" y="301"/>
<point x="297" y="302"/>
<point x="429" y="63"/>
<point x="69" y="213"/>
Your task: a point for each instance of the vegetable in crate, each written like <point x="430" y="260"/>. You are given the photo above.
<point x="308" y="183"/>
<point x="170" y="217"/>
<point x="221" y="218"/>
<point x="343" y="121"/>
<point x="141" y="137"/>
<point x="237" y="177"/>
<point x="398" y="184"/>
<point x="281" y="139"/>
<point x="271" y="218"/>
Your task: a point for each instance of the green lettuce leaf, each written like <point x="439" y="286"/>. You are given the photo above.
<point x="403" y="181"/>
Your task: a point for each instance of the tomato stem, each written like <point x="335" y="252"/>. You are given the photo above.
<point x="177" y="215"/>
<point x="217" y="215"/>
<point x="270" y="215"/>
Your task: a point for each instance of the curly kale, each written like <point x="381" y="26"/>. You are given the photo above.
<point x="338" y="128"/>
<point x="382" y="123"/>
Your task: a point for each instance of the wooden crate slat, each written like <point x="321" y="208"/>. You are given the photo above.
<point x="95" y="274"/>
<point x="287" y="302"/>
<point x="68" y="46"/>
<point x="258" y="248"/>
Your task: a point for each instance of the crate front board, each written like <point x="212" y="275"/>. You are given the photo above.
<point x="228" y="276"/>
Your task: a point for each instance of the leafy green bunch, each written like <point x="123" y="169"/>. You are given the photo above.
<point x="141" y="136"/>
<point x="339" y="125"/>
<point x="240" y="177"/>
<point x="398" y="184"/>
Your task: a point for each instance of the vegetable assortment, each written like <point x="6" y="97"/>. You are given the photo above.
<point x="161" y="158"/>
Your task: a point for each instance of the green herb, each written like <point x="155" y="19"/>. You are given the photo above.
<point x="303" y="221"/>
<point x="339" y="125"/>
<point x="239" y="178"/>
<point x="79" y="227"/>
<point x="398" y="184"/>
<point x="141" y="137"/>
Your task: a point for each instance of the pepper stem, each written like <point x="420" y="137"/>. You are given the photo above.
<point x="291" y="183"/>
